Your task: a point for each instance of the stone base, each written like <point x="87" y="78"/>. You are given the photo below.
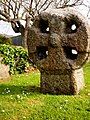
<point x="65" y="83"/>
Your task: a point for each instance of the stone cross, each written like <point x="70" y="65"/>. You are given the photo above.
<point x="58" y="44"/>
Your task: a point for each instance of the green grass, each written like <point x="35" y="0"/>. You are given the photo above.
<point x="20" y="99"/>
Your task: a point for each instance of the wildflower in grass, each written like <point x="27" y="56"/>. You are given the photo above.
<point x="60" y="107"/>
<point x="11" y="97"/>
<point x="24" y="117"/>
<point x="8" y="91"/>
<point x="18" y="96"/>
<point x="3" y="111"/>
<point x="25" y="95"/>
<point x="23" y="92"/>
<point x="2" y="93"/>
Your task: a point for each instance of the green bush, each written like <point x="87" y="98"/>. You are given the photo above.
<point x="5" y="40"/>
<point x="15" y="57"/>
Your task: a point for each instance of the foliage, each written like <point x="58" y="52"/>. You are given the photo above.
<point x="5" y="40"/>
<point x="15" y="57"/>
<point x="20" y="99"/>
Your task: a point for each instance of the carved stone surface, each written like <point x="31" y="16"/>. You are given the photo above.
<point x="4" y="71"/>
<point x="58" y="44"/>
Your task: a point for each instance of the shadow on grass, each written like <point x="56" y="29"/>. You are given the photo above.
<point x="11" y="90"/>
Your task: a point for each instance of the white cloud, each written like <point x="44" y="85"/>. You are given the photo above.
<point x="5" y="28"/>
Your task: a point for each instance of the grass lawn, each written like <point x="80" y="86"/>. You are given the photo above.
<point x="20" y="99"/>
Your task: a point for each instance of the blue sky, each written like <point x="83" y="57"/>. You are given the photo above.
<point x="5" y="28"/>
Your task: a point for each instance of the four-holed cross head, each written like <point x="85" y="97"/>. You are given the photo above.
<point x="58" y="44"/>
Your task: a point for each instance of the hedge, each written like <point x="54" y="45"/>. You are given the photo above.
<point x="15" y="57"/>
<point x="5" y="40"/>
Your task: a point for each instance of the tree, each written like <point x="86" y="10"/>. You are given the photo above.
<point x="14" y="11"/>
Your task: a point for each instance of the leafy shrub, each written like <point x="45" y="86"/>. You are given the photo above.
<point x="15" y="57"/>
<point x="5" y="40"/>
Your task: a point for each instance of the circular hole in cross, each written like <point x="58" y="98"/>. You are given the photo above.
<point x="44" y="26"/>
<point x="74" y="52"/>
<point x="73" y="27"/>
